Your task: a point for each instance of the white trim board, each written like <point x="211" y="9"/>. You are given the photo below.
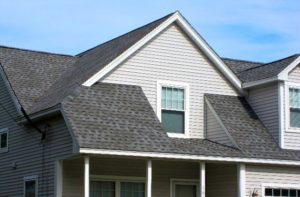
<point x="187" y="157"/>
<point x="283" y="75"/>
<point x="191" y="32"/>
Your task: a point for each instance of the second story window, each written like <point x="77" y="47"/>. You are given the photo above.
<point x="3" y="140"/>
<point x="294" y="104"/>
<point x="172" y="109"/>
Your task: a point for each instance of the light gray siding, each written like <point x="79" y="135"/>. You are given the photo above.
<point x="258" y="175"/>
<point x="292" y="139"/>
<point x="214" y="131"/>
<point x="26" y="149"/>
<point x="264" y="101"/>
<point x="172" y="56"/>
<point x="221" y="180"/>
<point x="163" y="172"/>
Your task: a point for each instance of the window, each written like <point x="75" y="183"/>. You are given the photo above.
<point x="172" y="108"/>
<point x="184" y="188"/>
<point x="3" y="140"/>
<point x="281" y="192"/>
<point x="30" y="186"/>
<point x="117" y="188"/>
<point x="294" y="104"/>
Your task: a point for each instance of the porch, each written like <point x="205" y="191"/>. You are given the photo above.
<point x="97" y="176"/>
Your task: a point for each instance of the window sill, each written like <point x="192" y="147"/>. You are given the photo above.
<point x="177" y="135"/>
<point x="4" y="150"/>
<point x="293" y="130"/>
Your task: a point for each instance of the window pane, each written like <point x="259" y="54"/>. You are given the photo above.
<point x="295" y="118"/>
<point x="3" y="142"/>
<point x="30" y="188"/>
<point x="131" y="189"/>
<point x="185" y="191"/>
<point x="169" y="98"/>
<point x="268" y="192"/>
<point x="175" y="98"/>
<point x="163" y="97"/>
<point x="102" y="189"/>
<point x="181" y="99"/>
<point x="284" y="192"/>
<point x="295" y="98"/>
<point x="293" y="193"/>
<point x="276" y="192"/>
<point x="173" y="121"/>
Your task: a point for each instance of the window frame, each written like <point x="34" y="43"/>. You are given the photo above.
<point x="180" y="85"/>
<point x="2" y="131"/>
<point x="118" y="180"/>
<point x="288" y="86"/>
<point x="278" y="186"/>
<point x="174" y="182"/>
<point x="31" y="178"/>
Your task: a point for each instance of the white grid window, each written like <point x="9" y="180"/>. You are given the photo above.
<point x="294" y="100"/>
<point x="270" y="192"/>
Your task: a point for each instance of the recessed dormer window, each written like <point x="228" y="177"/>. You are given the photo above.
<point x="172" y="107"/>
<point x="294" y="105"/>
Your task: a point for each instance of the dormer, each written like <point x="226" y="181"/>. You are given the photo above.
<point x="273" y="91"/>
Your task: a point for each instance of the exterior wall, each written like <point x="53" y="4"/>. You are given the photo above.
<point x="258" y="175"/>
<point x="291" y="139"/>
<point x="221" y="180"/>
<point x="264" y="101"/>
<point x="25" y="148"/>
<point x="214" y="131"/>
<point x="163" y="172"/>
<point x="172" y="56"/>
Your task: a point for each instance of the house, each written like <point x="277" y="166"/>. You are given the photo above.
<point x="154" y="112"/>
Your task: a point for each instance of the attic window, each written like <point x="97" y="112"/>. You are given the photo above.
<point x="172" y="107"/>
<point x="294" y="98"/>
<point x="3" y="140"/>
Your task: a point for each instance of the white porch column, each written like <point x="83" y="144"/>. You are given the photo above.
<point x="241" y="180"/>
<point x="86" y="176"/>
<point x="149" y="178"/>
<point x="58" y="178"/>
<point x="202" y="179"/>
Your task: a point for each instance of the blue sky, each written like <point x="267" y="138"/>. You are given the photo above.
<point x="259" y="30"/>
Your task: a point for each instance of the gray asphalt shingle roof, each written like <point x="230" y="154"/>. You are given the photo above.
<point x="30" y="73"/>
<point x="252" y="71"/>
<point x="247" y="130"/>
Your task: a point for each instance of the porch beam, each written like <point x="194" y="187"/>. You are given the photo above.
<point x="202" y="179"/>
<point x="241" y="180"/>
<point x="86" y="176"/>
<point x="149" y="178"/>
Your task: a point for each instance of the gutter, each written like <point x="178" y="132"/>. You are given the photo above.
<point x="261" y="82"/>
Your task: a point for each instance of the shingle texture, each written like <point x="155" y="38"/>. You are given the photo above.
<point x="252" y="71"/>
<point x="247" y="130"/>
<point x="119" y="117"/>
<point x="91" y="62"/>
<point x="30" y="73"/>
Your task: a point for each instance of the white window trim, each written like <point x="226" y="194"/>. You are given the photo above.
<point x="118" y="180"/>
<point x="278" y="186"/>
<point x="185" y="86"/>
<point x="31" y="178"/>
<point x="5" y="130"/>
<point x="175" y="182"/>
<point x="287" y="86"/>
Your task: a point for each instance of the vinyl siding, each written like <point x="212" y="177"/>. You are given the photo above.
<point x="163" y="172"/>
<point x="258" y="175"/>
<point x="172" y="56"/>
<point x="221" y="180"/>
<point x="214" y="131"/>
<point x="25" y="148"/>
<point x="264" y="101"/>
<point x="292" y="139"/>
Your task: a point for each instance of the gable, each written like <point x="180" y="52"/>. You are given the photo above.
<point x="294" y="75"/>
<point x="172" y="56"/>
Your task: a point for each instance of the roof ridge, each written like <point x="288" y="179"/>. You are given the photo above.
<point x="84" y="52"/>
<point x="272" y="62"/>
<point x="240" y="60"/>
<point x="36" y="51"/>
